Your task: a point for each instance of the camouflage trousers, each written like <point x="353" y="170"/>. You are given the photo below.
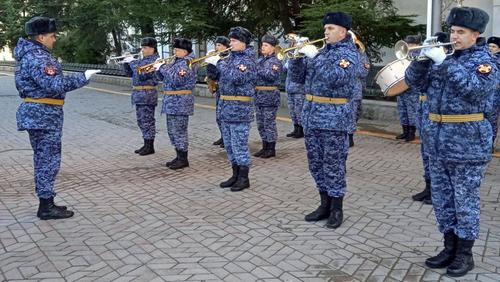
<point x="235" y="136"/>
<point x="356" y="109"/>
<point x="295" y="102"/>
<point x="266" y="123"/>
<point x="493" y="119"/>
<point x="407" y="109"/>
<point x="327" y="154"/>
<point x="46" y="146"/>
<point x="217" y="113"/>
<point x="177" y="128"/>
<point x="146" y="120"/>
<point x="455" y="196"/>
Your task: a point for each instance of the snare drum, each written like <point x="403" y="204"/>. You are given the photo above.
<point x="391" y="78"/>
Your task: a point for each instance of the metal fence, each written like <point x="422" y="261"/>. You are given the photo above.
<point x="372" y="89"/>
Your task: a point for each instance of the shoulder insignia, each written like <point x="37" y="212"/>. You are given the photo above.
<point x="344" y="63"/>
<point x="242" y="67"/>
<point x="182" y="72"/>
<point x="484" y="68"/>
<point x="50" y="70"/>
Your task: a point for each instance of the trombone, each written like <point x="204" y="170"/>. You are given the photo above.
<point x="284" y="53"/>
<point x="222" y="54"/>
<point x="403" y="51"/>
<point x="150" y="67"/>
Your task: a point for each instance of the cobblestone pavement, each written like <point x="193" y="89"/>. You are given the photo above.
<point x="137" y="220"/>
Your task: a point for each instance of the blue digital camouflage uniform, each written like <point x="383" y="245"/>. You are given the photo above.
<point x="39" y="75"/>
<point x="267" y="102"/>
<point x="145" y="100"/>
<point x="459" y="151"/>
<point x="495" y="111"/>
<point x="408" y="107"/>
<point x="330" y="75"/>
<point x="295" y="93"/>
<point x="237" y="80"/>
<point x="364" y="68"/>
<point x="178" y="107"/>
<point x="422" y="114"/>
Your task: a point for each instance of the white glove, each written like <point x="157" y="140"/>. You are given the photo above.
<point x="89" y="73"/>
<point x="212" y="60"/>
<point x="158" y="65"/>
<point x="309" y="50"/>
<point x="128" y="59"/>
<point x="436" y="54"/>
<point x="429" y="40"/>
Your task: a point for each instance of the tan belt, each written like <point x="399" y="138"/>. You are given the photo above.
<point x="177" y="92"/>
<point x="326" y="100"/>
<point x="145" y="87"/>
<point x="422" y="98"/>
<point x="266" y="88"/>
<point x="456" y="118"/>
<point x="236" y="98"/>
<point x="48" y="101"/>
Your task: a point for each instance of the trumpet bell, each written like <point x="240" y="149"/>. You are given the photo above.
<point x="401" y="49"/>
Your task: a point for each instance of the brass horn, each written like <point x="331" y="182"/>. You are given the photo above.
<point x="283" y="53"/>
<point x="223" y="55"/>
<point x="403" y="51"/>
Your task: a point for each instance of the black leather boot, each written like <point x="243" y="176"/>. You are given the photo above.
<point x="264" y="147"/>
<point x="149" y="147"/>
<point x="424" y="194"/>
<point x="446" y="256"/>
<point x="270" y="151"/>
<point x="323" y="211"/>
<point x="464" y="261"/>
<point x="336" y="215"/>
<point x="404" y="134"/>
<point x="242" y="182"/>
<point x="230" y="182"/>
<point x="411" y="133"/>
<point x="138" y="151"/>
<point x="300" y="132"/>
<point x="351" y="140"/>
<point x="181" y="162"/>
<point x="218" y="142"/>
<point x="168" y="164"/>
<point x="47" y="210"/>
<point x="294" y="132"/>
<point x="61" y="208"/>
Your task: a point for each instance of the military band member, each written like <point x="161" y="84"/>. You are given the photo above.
<point x="237" y="78"/>
<point x="356" y="102"/>
<point x="267" y="96"/>
<point x="43" y="86"/>
<point x="422" y="114"/>
<point x="179" y="81"/>
<point x="408" y="102"/>
<point x="144" y="95"/>
<point x="456" y="134"/>
<point x="295" y="94"/>
<point x="331" y="75"/>
<point x="494" y="46"/>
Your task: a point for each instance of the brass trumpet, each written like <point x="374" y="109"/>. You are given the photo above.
<point x="150" y="67"/>
<point x="403" y="51"/>
<point x="283" y="53"/>
<point x="223" y="55"/>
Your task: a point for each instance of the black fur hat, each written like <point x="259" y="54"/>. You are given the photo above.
<point x="40" y="25"/>
<point x="413" y="39"/>
<point x="149" y="41"/>
<point x="183" y="43"/>
<point x="469" y="17"/>
<point x="338" y="18"/>
<point x="442" y="37"/>
<point x="240" y="33"/>
<point x="222" y="40"/>
<point x="481" y="41"/>
<point x="494" y="40"/>
<point x="269" y="39"/>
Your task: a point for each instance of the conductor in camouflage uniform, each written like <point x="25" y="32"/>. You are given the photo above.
<point x="43" y="86"/>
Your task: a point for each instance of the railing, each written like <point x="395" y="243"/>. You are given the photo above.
<point x="372" y="89"/>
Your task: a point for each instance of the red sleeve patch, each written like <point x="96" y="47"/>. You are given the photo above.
<point x="50" y="70"/>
